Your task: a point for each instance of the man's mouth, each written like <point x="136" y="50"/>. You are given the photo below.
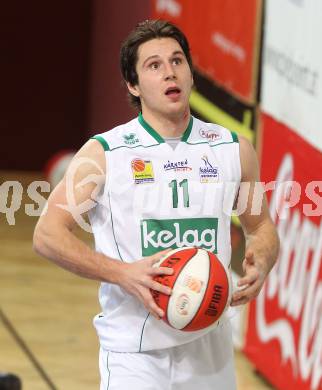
<point x="173" y="91"/>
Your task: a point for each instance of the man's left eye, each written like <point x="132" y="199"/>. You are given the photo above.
<point x="177" y="61"/>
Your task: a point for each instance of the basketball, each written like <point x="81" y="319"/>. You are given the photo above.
<point x="138" y="165"/>
<point x="201" y="289"/>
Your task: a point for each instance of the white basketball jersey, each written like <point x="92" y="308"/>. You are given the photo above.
<point x="157" y="197"/>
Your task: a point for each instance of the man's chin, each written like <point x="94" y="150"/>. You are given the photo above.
<point x="177" y="108"/>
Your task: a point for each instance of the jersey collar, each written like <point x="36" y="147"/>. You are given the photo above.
<point x="157" y="136"/>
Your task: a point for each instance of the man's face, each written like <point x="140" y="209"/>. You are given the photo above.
<point x="164" y="77"/>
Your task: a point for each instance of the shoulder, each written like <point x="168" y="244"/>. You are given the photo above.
<point x="126" y="135"/>
<point x="90" y="158"/>
<point x="248" y="160"/>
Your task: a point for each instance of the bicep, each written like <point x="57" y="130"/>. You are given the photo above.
<point x="252" y="203"/>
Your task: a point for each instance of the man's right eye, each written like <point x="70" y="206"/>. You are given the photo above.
<point x="154" y="65"/>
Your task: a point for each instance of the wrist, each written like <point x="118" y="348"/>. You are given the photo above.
<point x="112" y="270"/>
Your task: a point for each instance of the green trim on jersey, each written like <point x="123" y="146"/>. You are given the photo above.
<point x="187" y="132"/>
<point x="133" y="147"/>
<point x="150" y="130"/>
<point x="102" y="141"/>
<point x="212" y="146"/>
<point x="234" y="136"/>
<point x="157" y="136"/>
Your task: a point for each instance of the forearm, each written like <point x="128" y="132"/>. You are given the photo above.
<point x="264" y="243"/>
<point x="60" y="245"/>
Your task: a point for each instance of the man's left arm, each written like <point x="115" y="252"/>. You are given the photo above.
<point x="262" y="242"/>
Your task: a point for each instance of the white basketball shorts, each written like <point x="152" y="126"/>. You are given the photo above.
<point x="204" y="364"/>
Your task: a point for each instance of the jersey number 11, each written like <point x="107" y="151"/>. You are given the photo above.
<point x="174" y="186"/>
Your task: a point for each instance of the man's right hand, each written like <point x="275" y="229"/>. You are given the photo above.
<point x="137" y="279"/>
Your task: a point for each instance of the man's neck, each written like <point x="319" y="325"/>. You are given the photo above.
<point x="168" y="126"/>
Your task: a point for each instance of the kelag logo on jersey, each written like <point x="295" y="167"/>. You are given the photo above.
<point x="207" y="172"/>
<point x="159" y="234"/>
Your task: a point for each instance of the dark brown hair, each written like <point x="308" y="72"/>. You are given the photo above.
<point x="143" y="32"/>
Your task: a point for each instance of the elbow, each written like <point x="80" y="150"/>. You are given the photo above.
<point x="38" y="241"/>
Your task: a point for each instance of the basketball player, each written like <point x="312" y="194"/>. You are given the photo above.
<point x="163" y="180"/>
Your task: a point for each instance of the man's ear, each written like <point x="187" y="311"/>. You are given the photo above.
<point x="133" y="89"/>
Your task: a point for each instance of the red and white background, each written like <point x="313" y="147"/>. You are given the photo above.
<point x="224" y="39"/>
<point x="292" y="66"/>
<point x="284" y="333"/>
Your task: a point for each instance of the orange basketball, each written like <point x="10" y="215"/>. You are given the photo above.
<point x="138" y="165"/>
<point x="201" y="289"/>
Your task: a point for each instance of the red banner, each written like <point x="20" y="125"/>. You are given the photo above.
<point x="284" y="335"/>
<point x="224" y="36"/>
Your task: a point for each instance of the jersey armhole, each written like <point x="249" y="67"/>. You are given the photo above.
<point x="234" y="137"/>
<point x="102" y="141"/>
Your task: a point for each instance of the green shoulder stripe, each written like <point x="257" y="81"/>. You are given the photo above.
<point x="234" y="137"/>
<point x="102" y="141"/>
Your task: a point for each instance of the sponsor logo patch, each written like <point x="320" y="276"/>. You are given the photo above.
<point x="157" y="235"/>
<point x="193" y="283"/>
<point x="142" y="171"/>
<point x="210" y="134"/>
<point x="207" y="172"/>
<point x="177" y="166"/>
<point x="183" y="304"/>
<point x="130" y="139"/>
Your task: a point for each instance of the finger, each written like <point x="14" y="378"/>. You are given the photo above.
<point x="161" y="271"/>
<point x="238" y="302"/>
<point x="249" y="278"/>
<point x="154" y="309"/>
<point x="159" y="256"/>
<point x="248" y="293"/>
<point x="153" y="285"/>
<point x="164" y="252"/>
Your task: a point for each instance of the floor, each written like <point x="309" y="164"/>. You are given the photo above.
<point x="46" y="332"/>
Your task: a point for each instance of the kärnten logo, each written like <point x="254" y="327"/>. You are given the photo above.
<point x="177" y="166"/>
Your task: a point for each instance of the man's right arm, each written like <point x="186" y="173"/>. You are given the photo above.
<point x="54" y="236"/>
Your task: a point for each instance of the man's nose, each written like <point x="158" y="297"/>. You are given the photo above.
<point x="170" y="74"/>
